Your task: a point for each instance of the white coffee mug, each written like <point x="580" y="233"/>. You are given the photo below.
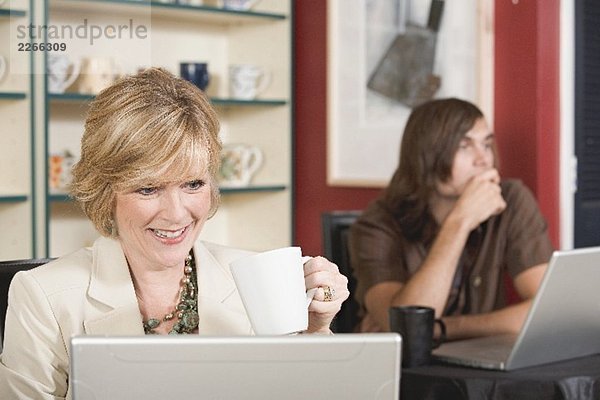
<point x="61" y="71"/>
<point x="239" y="163"/>
<point x="247" y="81"/>
<point x="272" y="288"/>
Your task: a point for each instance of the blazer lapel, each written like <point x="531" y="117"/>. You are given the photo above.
<point x="111" y="285"/>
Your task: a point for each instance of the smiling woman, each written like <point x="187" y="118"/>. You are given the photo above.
<point x="146" y="179"/>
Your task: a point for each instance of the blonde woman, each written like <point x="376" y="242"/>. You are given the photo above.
<point x="146" y="179"/>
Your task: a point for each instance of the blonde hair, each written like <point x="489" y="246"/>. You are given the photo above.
<point x="147" y="129"/>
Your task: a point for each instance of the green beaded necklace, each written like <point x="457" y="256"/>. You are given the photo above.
<point x="186" y="310"/>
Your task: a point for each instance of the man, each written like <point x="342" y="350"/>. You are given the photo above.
<point x="447" y="229"/>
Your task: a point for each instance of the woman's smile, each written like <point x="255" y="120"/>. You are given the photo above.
<point x="169" y="234"/>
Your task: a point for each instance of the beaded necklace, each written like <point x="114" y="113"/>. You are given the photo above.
<point x="186" y="310"/>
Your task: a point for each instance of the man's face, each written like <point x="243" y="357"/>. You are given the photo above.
<point x="474" y="155"/>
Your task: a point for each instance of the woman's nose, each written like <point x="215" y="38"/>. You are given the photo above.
<point x="173" y="206"/>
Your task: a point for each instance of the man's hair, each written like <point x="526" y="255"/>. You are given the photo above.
<point x="148" y="129"/>
<point x="430" y="141"/>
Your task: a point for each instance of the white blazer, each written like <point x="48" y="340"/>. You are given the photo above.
<point x="91" y="292"/>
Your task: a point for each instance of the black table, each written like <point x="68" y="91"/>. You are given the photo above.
<point x="573" y="379"/>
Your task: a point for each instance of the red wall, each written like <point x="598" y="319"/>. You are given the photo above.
<point x="313" y="196"/>
<point x="526" y="99"/>
<point x="526" y="111"/>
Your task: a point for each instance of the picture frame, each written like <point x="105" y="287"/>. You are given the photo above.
<point x="365" y="127"/>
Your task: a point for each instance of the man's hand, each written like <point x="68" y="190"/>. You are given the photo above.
<point x="481" y="199"/>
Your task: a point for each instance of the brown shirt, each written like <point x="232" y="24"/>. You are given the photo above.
<point x="510" y="242"/>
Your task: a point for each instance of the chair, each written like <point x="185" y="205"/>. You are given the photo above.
<point x="8" y="269"/>
<point x="335" y="226"/>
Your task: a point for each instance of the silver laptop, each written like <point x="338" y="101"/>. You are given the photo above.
<point x="343" y="366"/>
<point x="563" y="321"/>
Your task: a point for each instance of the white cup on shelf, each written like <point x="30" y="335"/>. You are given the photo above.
<point x="247" y="81"/>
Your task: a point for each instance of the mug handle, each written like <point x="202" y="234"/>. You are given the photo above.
<point x="74" y="74"/>
<point x="265" y="81"/>
<point x="310" y="293"/>
<point x="255" y="159"/>
<point x="442" y="338"/>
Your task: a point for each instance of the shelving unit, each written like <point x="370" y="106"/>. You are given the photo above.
<point x="256" y="217"/>
<point x="16" y="167"/>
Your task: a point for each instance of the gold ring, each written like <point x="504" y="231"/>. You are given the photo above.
<point x="328" y="293"/>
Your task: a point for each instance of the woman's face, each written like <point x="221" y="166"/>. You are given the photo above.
<point x="157" y="226"/>
<point x="475" y="155"/>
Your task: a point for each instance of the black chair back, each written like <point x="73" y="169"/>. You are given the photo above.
<point x="335" y="225"/>
<point x="8" y="269"/>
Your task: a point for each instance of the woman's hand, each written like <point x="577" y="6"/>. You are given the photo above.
<point x="332" y="291"/>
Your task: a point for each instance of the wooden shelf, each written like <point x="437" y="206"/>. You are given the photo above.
<point x="9" y="12"/>
<point x="70" y="97"/>
<point x="12" y="95"/>
<point x="256" y="102"/>
<point x="218" y="101"/>
<point x="251" y="189"/>
<point x="217" y="15"/>
<point x="13" y="199"/>
<point x="59" y="198"/>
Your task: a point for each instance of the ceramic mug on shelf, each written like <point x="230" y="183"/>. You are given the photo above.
<point x="239" y="163"/>
<point x="96" y="74"/>
<point x="195" y="72"/>
<point x="61" y="71"/>
<point x="247" y="81"/>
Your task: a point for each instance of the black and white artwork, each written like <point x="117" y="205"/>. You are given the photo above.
<point x="386" y="57"/>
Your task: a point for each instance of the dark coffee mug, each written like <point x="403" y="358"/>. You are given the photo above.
<point x="415" y="325"/>
<point x="197" y="73"/>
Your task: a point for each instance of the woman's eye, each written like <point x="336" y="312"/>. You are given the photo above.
<point x="195" y="185"/>
<point x="147" y="191"/>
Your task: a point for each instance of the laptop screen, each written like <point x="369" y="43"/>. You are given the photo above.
<point x="348" y="366"/>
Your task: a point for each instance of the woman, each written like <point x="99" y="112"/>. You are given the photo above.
<point x="447" y="229"/>
<point x="146" y="179"/>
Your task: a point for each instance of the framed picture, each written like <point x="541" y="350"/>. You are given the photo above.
<point x="387" y="56"/>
